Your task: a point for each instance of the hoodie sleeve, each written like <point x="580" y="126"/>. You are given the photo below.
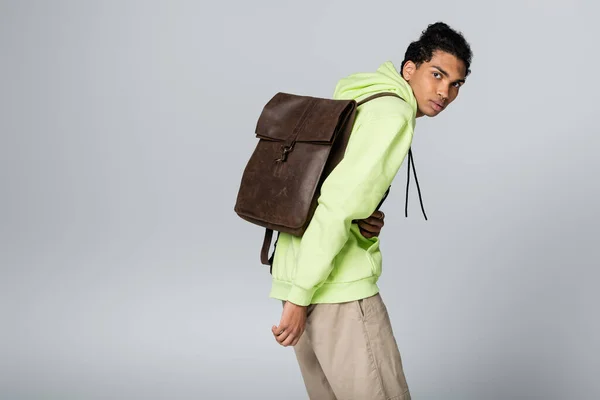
<point x="374" y="154"/>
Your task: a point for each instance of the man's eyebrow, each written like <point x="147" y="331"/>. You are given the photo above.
<point x="446" y="74"/>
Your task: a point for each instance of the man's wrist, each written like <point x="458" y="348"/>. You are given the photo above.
<point x="294" y="304"/>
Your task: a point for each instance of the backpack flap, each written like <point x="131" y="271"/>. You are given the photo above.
<point x="291" y="118"/>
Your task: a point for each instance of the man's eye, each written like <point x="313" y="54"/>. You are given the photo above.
<point x="457" y="85"/>
<point x="437" y="75"/>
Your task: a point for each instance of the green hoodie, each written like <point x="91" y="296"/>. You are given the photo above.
<point x="332" y="262"/>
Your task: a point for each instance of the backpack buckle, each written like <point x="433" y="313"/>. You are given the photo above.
<point x="285" y="150"/>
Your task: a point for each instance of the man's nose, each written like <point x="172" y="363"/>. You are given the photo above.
<point x="443" y="92"/>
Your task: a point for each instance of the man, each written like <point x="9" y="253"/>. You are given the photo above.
<point x="333" y="313"/>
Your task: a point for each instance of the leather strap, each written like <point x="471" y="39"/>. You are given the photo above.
<point x="377" y="95"/>
<point x="264" y="252"/>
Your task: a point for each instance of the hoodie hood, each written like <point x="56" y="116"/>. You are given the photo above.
<point x="385" y="79"/>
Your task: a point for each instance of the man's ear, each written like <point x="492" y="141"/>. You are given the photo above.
<point x="408" y="70"/>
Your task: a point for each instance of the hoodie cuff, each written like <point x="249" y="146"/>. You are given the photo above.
<point x="300" y="296"/>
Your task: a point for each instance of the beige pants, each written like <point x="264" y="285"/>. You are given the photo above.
<point x="348" y="352"/>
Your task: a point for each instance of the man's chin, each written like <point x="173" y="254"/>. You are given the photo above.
<point x="431" y="113"/>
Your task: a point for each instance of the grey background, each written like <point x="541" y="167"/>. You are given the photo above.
<point x="125" y="127"/>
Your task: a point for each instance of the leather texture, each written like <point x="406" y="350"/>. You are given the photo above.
<point x="301" y="140"/>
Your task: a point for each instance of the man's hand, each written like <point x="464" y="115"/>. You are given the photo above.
<point x="371" y="227"/>
<point x="291" y="326"/>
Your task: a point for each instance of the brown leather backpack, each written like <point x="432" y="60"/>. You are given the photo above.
<point x="301" y="140"/>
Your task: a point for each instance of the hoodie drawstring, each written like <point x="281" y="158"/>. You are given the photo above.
<point x="412" y="162"/>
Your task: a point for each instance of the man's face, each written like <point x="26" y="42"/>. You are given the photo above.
<point x="435" y="83"/>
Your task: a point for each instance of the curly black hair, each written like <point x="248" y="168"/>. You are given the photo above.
<point x="438" y="36"/>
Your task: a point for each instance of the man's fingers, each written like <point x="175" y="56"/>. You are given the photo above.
<point x="292" y="339"/>
<point x="276" y="330"/>
<point x="282" y="332"/>
<point x="378" y="214"/>
<point x="288" y="340"/>
<point x="373" y="221"/>
<point x="286" y="335"/>
<point x="369" y="227"/>
<point x="366" y="226"/>
<point x="368" y="235"/>
<point x="370" y="232"/>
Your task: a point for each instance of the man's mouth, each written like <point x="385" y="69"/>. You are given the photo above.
<point x="437" y="106"/>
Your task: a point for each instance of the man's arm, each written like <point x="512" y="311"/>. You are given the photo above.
<point x="352" y="191"/>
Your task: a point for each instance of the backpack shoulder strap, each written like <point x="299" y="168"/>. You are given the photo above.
<point x="376" y="96"/>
